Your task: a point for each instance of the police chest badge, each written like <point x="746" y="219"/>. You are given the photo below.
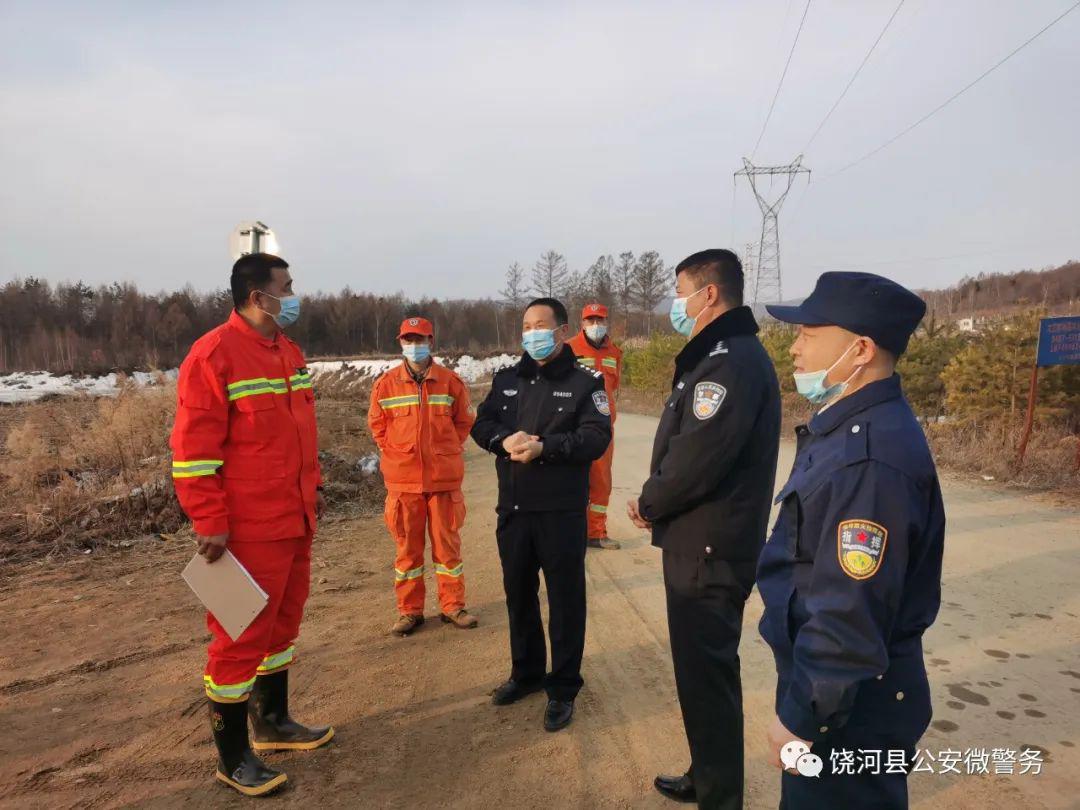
<point x="600" y="399"/>
<point x="860" y="547"/>
<point x="708" y="397"/>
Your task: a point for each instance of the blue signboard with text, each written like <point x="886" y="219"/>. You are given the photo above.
<point x="1059" y="341"/>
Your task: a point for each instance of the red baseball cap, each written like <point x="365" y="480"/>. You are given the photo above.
<point x="593" y="311"/>
<point x="416" y="326"/>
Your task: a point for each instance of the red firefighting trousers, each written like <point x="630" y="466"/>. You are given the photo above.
<point x="600" y="492"/>
<point x="283" y="569"/>
<point x="410" y="516"/>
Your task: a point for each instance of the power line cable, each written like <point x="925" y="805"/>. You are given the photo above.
<point x="960" y="92"/>
<point x="854" y="76"/>
<point x="779" y="85"/>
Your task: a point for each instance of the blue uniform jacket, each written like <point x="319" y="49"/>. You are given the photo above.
<point x="851" y="574"/>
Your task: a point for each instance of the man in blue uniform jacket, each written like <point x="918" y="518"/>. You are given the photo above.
<point x="851" y="575"/>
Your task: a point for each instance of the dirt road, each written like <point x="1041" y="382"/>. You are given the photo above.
<point x="101" y="704"/>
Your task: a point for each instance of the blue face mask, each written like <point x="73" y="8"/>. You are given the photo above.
<point x="596" y="332"/>
<point x="682" y="322"/>
<point x="290" y="310"/>
<point x="416" y="352"/>
<point x="811" y="384"/>
<point x="539" y="343"/>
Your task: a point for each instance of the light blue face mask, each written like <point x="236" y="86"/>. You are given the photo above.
<point x="682" y="322"/>
<point x="539" y="343"/>
<point x="416" y="352"/>
<point x="290" y="309"/>
<point x="811" y="384"/>
<point x="597" y="332"/>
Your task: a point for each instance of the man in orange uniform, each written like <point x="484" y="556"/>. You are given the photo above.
<point x="420" y="416"/>
<point x="246" y="471"/>
<point x="596" y="350"/>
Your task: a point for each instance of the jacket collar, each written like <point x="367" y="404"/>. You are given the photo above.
<point x="558" y="367"/>
<point x="404" y="375"/>
<point x="737" y="321"/>
<point x="237" y="322"/>
<point x="843" y="409"/>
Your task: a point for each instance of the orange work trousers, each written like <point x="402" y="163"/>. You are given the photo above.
<point x="410" y="517"/>
<point x="600" y="492"/>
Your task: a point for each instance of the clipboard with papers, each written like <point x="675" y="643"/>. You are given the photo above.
<point x="227" y="590"/>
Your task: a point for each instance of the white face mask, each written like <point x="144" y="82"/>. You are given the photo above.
<point x="596" y="332"/>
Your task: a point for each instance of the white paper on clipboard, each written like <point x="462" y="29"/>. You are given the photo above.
<point x="227" y="590"/>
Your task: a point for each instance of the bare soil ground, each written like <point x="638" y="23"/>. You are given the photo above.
<point x="101" y="701"/>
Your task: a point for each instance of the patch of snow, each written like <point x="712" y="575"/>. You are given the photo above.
<point x="27" y="386"/>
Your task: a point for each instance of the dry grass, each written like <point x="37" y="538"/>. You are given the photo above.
<point x="80" y="472"/>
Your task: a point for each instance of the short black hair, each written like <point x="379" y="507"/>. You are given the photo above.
<point x="252" y="272"/>
<point x="716" y="266"/>
<point x="557" y="307"/>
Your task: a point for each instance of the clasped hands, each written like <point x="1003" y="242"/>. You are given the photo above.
<point x="523" y="447"/>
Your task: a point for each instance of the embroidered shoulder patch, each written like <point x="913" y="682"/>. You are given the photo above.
<point x="708" y="396"/>
<point x="860" y="547"/>
<point x="720" y="348"/>
<point x="509" y="392"/>
<point x="600" y="399"/>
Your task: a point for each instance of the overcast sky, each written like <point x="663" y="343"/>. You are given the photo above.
<point x="424" y="146"/>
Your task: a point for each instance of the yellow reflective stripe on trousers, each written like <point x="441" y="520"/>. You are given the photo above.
<point x="442" y="570"/>
<point x="440" y="399"/>
<point x="598" y="507"/>
<point x="278" y="660"/>
<point x="399" y="402"/>
<point x="228" y="691"/>
<point x="412" y="573"/>
<point x="257" y="385"/>
<point x="194" y="469"/>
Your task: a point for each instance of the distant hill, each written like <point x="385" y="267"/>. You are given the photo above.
<point x="1056" y="289"/>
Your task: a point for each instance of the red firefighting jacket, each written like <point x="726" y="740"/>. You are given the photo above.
<point x="421" y="428"/>
<point x="245" y="449"/>
<point x="608" y="359"/>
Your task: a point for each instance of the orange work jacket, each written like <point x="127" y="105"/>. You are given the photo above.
<point x="421" y="428"/>
<point x="607" y="359"/>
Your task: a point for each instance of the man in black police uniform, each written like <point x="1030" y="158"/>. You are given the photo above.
<point x="707" y="500"/>
<point x="546" y="420"/>
<point x="851" y="575"/>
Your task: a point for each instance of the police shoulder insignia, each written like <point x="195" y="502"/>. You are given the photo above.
<point x="600" y="399"/>
<point x="860" y="547"/>
<point x="708" y="396"/>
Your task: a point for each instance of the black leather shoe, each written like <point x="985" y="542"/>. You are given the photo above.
<point x="678" y="788"/>
<point x="512" y="691"/>
<point x="272" y="727"/>
<point x="557" y="715"/>
<point x="238" y="767"/>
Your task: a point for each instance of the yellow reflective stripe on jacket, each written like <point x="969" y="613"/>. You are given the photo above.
<point x="610" y="362"/>
<point x="194" y="469"/>
<point x="597" y="507"/>
<point x="587" y="361"/>
<point x="229" y="691"/>
<point x="442" y="570"/>
<point x="299" y="381"/>
<point x="399" y="402"/>
<point x="440" y="399"/>
<point x="278" y="660"/>
<point x="412" y="573"/>
<point x="258" y="385"/>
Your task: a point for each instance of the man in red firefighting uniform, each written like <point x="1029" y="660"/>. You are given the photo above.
<point x="597" y="351"/>
<point x="420" y="416"/>
<point x="246" y="471"/>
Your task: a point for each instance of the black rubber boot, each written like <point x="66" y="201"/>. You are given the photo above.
<point x="273" y="729"/>
<point x="238" y="767"/>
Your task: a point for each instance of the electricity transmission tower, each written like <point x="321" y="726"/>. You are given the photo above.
<point x="766" y="287"/>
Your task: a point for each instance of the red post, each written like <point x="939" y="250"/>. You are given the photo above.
<point x="1030" y="418"/>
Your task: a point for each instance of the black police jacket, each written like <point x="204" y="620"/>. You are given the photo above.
<point x="714" y="457"/>
<point x="567" y="407"/>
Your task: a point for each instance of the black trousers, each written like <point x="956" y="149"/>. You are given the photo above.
<point x="705" y="599"/>
<point x="552" y="542"/>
